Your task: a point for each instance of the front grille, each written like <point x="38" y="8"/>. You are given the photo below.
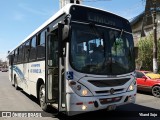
<point x="109" y="83"/>
<point x="110" y="100"/>
<point x="108" y="91"/>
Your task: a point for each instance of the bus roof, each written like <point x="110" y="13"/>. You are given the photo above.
<point x="65" y="10"/>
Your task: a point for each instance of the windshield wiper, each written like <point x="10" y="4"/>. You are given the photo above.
<point x="95" y="31"/>
<point x="121" y="33"/>
<point x="97" y="34"/>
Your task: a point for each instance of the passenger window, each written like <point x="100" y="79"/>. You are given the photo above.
<point x="27" y="48"/>
<point x="15" y="56"/>
<point x="23" y="53"/>
<point x="42" y="38"/>
<point x="33" y="49"/>
<point x="33" y="43"/>
<point x="41" y="45"/>
<point x="18" y="55"/>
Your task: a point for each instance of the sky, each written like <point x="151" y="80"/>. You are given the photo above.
<point x="19" y="18"/>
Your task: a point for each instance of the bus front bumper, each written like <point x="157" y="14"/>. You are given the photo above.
<point x="80" y="105"/>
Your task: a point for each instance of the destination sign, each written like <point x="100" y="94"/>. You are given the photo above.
<point x="103" y="19"/>
<point x="86" y="14"/>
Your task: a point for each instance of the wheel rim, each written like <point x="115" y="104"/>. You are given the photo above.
<point x="156" y="91"/>
<point x="42" y="96"/>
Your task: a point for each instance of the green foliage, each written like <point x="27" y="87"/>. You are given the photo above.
<point x="145" y="52"/>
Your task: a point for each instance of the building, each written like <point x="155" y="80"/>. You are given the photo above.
<point x="138" y="22"/>
<point x="142" y="25"/>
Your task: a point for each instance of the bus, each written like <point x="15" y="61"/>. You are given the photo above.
<point x="80" y="60"/>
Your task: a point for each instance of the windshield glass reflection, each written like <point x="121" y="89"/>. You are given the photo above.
<point x="98" y="50"/>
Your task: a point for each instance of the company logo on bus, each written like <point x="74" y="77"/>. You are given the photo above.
<point x="112" y="91"/>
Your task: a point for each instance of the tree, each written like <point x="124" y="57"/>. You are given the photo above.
<point x="145" y="53"/>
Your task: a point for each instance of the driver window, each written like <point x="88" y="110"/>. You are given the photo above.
<point x="96" y="50"/>
<point x="86" y="49"/>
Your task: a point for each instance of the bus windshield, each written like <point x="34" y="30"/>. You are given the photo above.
<point x="101" y="50"/>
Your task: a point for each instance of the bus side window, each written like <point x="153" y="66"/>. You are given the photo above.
<point x="41" y="45"/>
<point x="23" y="53"/>
<point x="20" y="54"/>
<point x="33" y="49"/>
<point x="15" y="56"/>
<point x="26" y="51"/>
<point x="18" y="57"/>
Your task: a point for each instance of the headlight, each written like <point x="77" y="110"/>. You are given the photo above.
<point x="132" y="86"/>
<point x="84" y="92"/>
<point x="80" y="89"/>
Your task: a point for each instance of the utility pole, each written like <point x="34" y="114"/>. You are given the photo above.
<point x="154" y="13"/>
<point x="151" y="18"/>
<point x="64" y="2"/>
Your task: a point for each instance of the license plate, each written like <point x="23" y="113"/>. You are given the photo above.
<point x="111" y="107"/>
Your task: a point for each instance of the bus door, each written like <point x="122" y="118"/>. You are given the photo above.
<point x="54" y="81"/>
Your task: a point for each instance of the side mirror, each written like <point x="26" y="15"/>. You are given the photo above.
<point x="144" y="77"/>
<point x="65" y="32"/>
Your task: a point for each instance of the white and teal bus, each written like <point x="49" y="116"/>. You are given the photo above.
<point x="80" y="60"/>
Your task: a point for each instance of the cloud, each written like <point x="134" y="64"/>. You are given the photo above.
<point x="27" y="8"/>
<point x="18" y="16"/>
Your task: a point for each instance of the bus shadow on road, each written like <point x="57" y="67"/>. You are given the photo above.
<point x="144" y="92"/>
<point x="31" y="97"/>
<point x="126" y="112"/>
<point x="51" y="111"/>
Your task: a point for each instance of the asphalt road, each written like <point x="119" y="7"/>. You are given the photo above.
<point x="13" y="100"/>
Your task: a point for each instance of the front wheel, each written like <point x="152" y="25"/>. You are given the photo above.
<point x="43" y="104"/>
<point x="156" y="91"/>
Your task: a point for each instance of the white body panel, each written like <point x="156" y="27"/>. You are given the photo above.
<point x="82" y="78"/>
<point x="28" y="74"/>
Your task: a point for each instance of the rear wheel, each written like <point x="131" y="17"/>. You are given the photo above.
<point x="43" y="104"/>
<point x="156" y="91"/>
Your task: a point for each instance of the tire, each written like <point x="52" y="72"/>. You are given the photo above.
<point x="15" y="83"/>
<point x="156" y="91"/>
<point x="42" y="102"/>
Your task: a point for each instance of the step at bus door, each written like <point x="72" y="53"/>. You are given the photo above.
<point x="54" y="80"/>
